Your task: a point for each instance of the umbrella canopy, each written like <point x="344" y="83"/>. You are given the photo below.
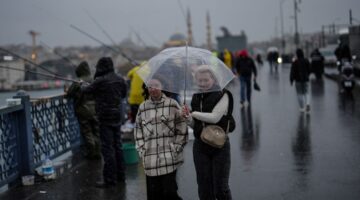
<point x="272" y="49"/>
<point x="176" y="68"/>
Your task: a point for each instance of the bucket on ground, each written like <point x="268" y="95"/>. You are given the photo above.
<point x="130" y="153"/>
<point x="28" y="180"/>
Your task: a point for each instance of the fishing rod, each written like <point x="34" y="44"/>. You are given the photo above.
<point x="58" y="54"/>
<point x="42" y="74"/>
<point x="110" y="38"/>
<point x="27" y="60"/>
<point x="101" y="28"/>
<point x="138" y="36"/>
<point x="134" y="63"/>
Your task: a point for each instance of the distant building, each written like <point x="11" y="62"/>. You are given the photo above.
<point x="231" y="42"/>
<point x="176" y="40"/>
<point x="9" y="77"/>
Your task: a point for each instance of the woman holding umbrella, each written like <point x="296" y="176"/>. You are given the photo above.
<point x="212" y="164"/>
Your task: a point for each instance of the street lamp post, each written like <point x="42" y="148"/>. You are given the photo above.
<point x="296" y="36"/>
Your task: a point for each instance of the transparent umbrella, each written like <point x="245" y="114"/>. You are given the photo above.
<point x="175" y="67"/>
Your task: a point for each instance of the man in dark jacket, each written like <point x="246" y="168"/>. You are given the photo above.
<point x="245" y="68"/>
<point x="109" y="90"/>
<point x="317" y="63"/>
<point x="299" y="72"/>
<point x="343" y="54"/>
<point x="85" y="112"/>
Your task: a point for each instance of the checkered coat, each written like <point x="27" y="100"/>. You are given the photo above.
<point x="160" y="135"/>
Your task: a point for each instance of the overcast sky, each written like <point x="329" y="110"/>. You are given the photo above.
<point x="156" y="20"/>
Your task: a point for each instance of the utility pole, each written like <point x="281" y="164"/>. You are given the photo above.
<point x="296" y="36"/>
<point x="322" y="36"/>
<point x="282" y="26"/>
<point x="350" y="17"/>
<point x="34" y="50"/>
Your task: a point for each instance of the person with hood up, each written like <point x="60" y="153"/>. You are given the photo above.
<point x="299" y="72"/>
<point x="245" y="69"/>
<point x="109" y="89"/>
<point x="160" y="135"/>
<point x="85" y="112"/>
<point x="317" y="63"/>
<point x="343" y="55"/>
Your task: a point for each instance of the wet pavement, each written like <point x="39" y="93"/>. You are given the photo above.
<point x="277" y="152"/>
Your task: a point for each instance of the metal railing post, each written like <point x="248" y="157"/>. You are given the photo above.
<point x="25" y="135"/>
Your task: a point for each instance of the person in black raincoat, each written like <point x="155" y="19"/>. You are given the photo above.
<point x="343" y="54"/>
<point x="109" y="90"/>
<point x="317" y="63"/>
<point x="85" y="112"/>
<point x="299" y="72"/>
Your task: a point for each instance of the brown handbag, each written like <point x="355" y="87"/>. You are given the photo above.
<point x="213" y="135"/>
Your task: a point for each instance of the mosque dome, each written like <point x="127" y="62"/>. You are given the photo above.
<point x="176" y="40"/>
<point x="177" y="37"/>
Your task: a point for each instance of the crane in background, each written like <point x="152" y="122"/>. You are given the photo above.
<point x="33" y="35"/>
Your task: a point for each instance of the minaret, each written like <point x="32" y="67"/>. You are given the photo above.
<point x="188" y="22"/>
<point x="208" y="31"/>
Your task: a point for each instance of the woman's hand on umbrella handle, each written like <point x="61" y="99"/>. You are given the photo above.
<point x="185" y="111"/>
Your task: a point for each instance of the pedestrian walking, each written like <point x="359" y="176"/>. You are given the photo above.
<point x="317" y="63"/>
<point x="160" y="135"/>
<point x="259" y="59"/>
<point x="212" y="164"/>
<point x="84" y="105"/>
<point x="109" y="89"/>
<point x="272" y="58"/>
<point x="299" y="73"/>
<point x="246" y="70"/>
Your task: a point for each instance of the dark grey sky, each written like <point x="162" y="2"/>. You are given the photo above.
<point x="156" y="20"/>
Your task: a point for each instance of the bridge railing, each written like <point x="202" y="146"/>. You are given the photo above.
<point x="33" y="130"/>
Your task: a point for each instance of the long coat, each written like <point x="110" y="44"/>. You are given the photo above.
<point x="160" y="135"/>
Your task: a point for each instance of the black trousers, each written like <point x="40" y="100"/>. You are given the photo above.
<point x="212" y="167"/>
<point x="111" y="149"/>
<point x="162" y="187"/>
